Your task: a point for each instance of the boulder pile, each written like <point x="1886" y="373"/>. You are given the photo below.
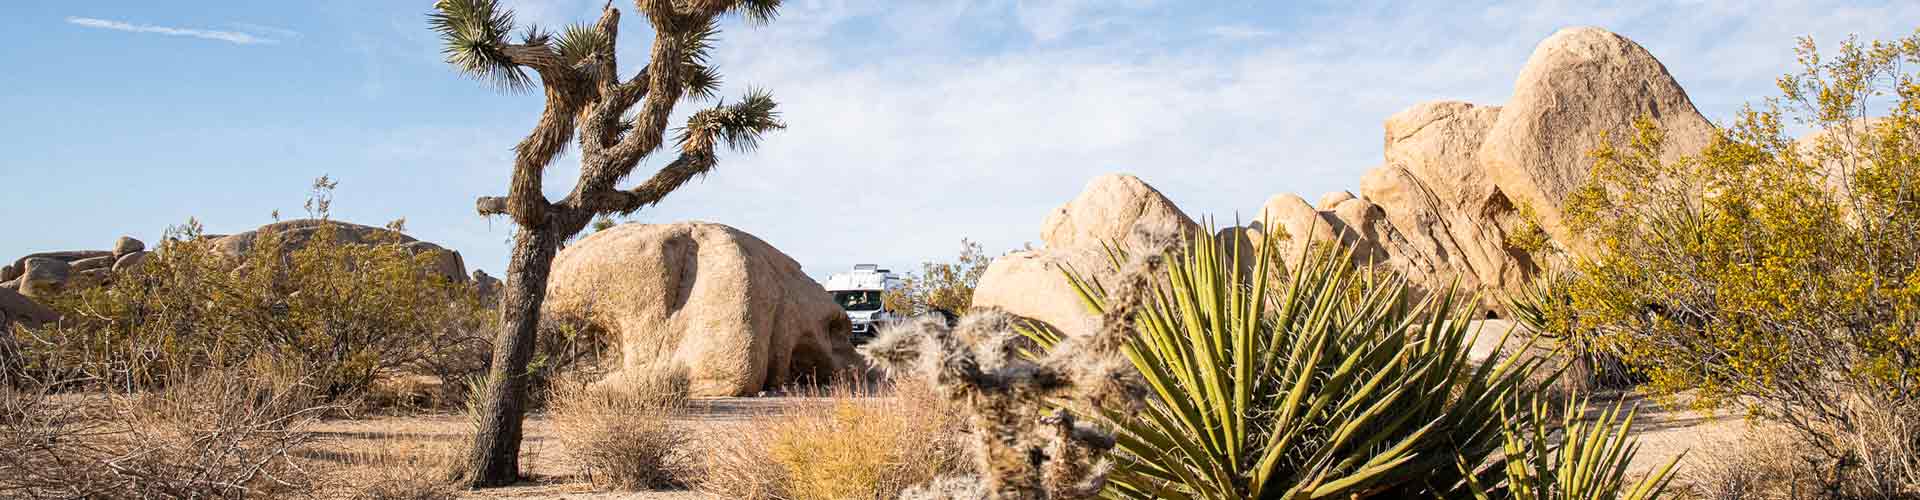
<point x="45" y="274"/>
<point x="734" y="313"/>
<point x="296" y="233"/>
<point x="1441" y="208"/>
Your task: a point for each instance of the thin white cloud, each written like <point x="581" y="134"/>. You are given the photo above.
<point x="1238" y="32"/>
<point x="271" y="30"/>
<point x="224" y="36"/>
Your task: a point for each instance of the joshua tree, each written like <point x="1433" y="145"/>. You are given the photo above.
<point x="586" y="99"/>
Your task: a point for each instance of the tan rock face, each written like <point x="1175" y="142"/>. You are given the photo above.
<point x="1113" y="209"/>
<point x="1438" y="196"/>
<point x="1110" y="209"/>
<point x="1302" y="225"/>
<point x="1579" y="83"/>
<point x="1334" y="199"/>
<point x="737" y="314"/>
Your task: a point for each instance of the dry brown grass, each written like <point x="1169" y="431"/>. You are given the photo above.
<point x="395" y="469"/>
<point x="623" y="433"/>
<point x="222" y="434"/>
<point x="843" y="446"/>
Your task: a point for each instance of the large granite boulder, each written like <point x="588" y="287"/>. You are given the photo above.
<point x="1114" y="209"/>
<point x="1580" y="83"/>
<point x="45" y="277"/>
<point x="1438" y="197"/>
<point x="126" y="245"/>
<point x="297" y="233"/>
<point x="68" y="256"/>
<point x="732" y="311"/>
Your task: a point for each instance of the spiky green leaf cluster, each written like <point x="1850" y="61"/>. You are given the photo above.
<point x="1334" y="386"/>
<point x="579" y="42"/>
<point x="700" y="79"/>
<point x="474" y="33"/>
<point x="739" y="125"/>
<point x="1588" y="461"/>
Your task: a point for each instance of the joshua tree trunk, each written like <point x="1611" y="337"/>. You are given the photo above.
<point x="586" y="100"/>
<point x="495" y="457"/>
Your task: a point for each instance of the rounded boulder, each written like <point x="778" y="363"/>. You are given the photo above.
<point x="738" y="315"/>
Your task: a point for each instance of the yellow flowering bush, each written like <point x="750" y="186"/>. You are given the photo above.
<point x="1775" y="272"/>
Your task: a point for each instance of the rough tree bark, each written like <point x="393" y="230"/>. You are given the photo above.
<point x="586" y="100"/>
<point x="496" y="445"/>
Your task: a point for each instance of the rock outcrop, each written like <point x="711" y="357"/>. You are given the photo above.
<point x="734" y="312"/>
<point x="45" y="277"/>
<point x="81" y="269"/>
<point x="1580" y="83"/>
<point x="1114" y="209"/>
<point x="296" y="234"/>
<point x="1441" y="208"/>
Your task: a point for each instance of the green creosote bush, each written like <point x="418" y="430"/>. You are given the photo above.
<point x="1777" y="274"/>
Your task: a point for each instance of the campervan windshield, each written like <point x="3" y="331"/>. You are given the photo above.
<point x="858" y="300"/>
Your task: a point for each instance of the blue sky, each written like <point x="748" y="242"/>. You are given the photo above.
<point x="913" y="123"/>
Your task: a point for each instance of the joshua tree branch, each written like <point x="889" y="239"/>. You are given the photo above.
<point x="664" y="87"/>
<point x="538" y="56"/>
<point x="690" y="164"/>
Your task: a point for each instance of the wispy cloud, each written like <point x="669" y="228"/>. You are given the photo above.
<point x="224" y="36"/>
<point x="271" y="30"/>
<point x="1238" y="32"/>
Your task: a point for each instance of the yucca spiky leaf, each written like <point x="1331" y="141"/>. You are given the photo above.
<point x="1589" y="461"/>
<point x="578" y="42"/>
<point x="1335" y="386"/>
<point x="474" y="36"/>
<point x="758" y="12"/>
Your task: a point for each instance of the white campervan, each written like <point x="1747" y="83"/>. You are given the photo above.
<point x="859" y="293"/>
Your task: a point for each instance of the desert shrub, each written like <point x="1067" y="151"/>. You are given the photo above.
<point x="220" y="434"/>
<point x="843" y="446"/>
<point x="1775" y="273"/>
<point x="622" y="433"/>
<point x="941" y="286"/>
<point x="1762" y="466"/>
<point x="348" y="312"/>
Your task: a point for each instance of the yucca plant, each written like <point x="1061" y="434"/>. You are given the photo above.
<point x="1336" y="386"/>
<point x="1589" y="461"/>
<point x="1545" y="308"/>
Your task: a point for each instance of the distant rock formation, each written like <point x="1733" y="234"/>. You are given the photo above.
<point x="1113" y="209"/>
<point x="1442" y="206"/>
<point x="732" y="311"/>
<point x="296" y="233"/>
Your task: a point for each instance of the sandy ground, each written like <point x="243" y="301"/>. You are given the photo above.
<point x="1663" y="433"/>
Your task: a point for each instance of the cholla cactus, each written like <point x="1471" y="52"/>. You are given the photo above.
<point x="1027" y="447"/>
